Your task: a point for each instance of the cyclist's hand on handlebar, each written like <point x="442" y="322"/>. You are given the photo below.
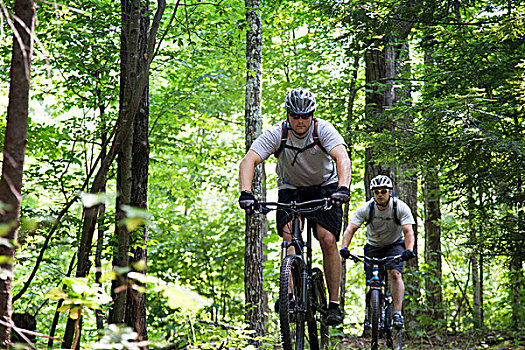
<point x="247" y="201"/>
<point x="340" y="196"/>
<point x="407" y="255"/>
<point x="345" y="253"/>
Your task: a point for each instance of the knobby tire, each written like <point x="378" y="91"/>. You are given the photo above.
<point x="292" y="321"/>
<point x="374" y="313"/>
<point x="317" y="308"/>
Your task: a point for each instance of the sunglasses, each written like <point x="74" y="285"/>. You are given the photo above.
<point x="383" y="191"/>
<point x="302" y="116"/>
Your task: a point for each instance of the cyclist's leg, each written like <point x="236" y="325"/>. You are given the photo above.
<point x="395" y="276"/>
<point x="397" y="288"/>
<point x="331" y="261"/>
<point x="328" y="229"/>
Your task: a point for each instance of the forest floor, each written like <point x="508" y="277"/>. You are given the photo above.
<point x="485" y="340"/>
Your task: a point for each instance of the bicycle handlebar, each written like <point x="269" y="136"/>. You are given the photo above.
<point x="376" y="261"/>
<point x="298" y="207"/>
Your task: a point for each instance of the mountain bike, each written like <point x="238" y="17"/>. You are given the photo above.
<point x="302" y="292"/>
<point x="379" y="302"/>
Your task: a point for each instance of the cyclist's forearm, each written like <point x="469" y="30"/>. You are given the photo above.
<point x="342" y="165"/>
<point x="245" y="176"/>
<point x="246" y="168"/>
<point x="409" y="237"/>
<point x="348" y="235"/>
<point x="344" y="172"/>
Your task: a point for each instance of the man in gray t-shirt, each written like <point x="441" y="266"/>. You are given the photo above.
<point x="389" y="232"/>
<point x="306" y="149"/>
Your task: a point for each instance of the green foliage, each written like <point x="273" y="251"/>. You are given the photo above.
<point x="80" y="295"/>
<point x="468" y="122"/>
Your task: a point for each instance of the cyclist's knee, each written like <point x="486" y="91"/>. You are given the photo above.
<point x="286" y="232"/>
<point x="395" y="275"/>
<point x="326" y="238"/>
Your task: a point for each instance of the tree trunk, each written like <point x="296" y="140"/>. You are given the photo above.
<point x="516" y="291"/>
<point x="134" y="183"/>
<point x="13" y="155"/>
<point x="476" y="286"/>
<point x="256" y="224"/>
<point x="137" y="77"/>
<point x="119" y="286"/>
<point x="348" y="140"/>
<point x="376" y="98"/>
<point x="406" y="179"/>
<point x="433" y="253"/>
<point x="136" y="305"/>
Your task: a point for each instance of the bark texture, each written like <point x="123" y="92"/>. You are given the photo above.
<point x="13" y="155"/>
<point x="477" y="285"/>
<point x="136" y="304"/>
<point x="256" y="224"/>
<point x="433" y="252"/>
<point x="137" y="77"/>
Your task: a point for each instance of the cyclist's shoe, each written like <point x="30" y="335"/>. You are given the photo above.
<point x="398" y="321"/>
<point x="333" y="316"/>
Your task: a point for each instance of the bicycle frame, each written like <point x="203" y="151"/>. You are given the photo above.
<point x="310" y="303"/>
<point x="378" y="296"/>
<point x="379" y="282"/>
<point x="299" y="244"/>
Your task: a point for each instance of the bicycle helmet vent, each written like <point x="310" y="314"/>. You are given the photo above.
<point x="300" y="101"/>
<point x="381" y="181"/>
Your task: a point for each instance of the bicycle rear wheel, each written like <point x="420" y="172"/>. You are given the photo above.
<point x="291" y="311"/>
<point x="317" y="310"/>
<point x="374" y="311"/>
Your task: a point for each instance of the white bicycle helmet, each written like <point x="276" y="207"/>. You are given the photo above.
<point x="300" y="101"/>
<point x="380" y="181"/>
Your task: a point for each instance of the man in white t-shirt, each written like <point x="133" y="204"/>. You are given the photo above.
<point x="306" y="149"/>
<point x="388" y="232"/>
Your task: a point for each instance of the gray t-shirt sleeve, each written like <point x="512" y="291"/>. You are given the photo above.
<point x="268" y="143"/>
<point x="361" y="215"/>
<point x="329" y="136"/>
<point x="404" y="213"/>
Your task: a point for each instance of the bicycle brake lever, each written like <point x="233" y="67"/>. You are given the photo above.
<point x="264" y="210"/>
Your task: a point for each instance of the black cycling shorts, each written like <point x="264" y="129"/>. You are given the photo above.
<point x="380" y="252"/>
<point x="329" y="219"/>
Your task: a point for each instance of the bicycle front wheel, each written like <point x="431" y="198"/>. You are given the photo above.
<point x="317" y="310"/>
<point x="291" y="305"/>
<point x="375" y="299"/>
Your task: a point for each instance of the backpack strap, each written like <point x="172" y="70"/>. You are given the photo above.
<point x="315" y="136"/>
<point x="284" y="138"/>
<point x="394" y="211"/>
<point x="371" y="212"/>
